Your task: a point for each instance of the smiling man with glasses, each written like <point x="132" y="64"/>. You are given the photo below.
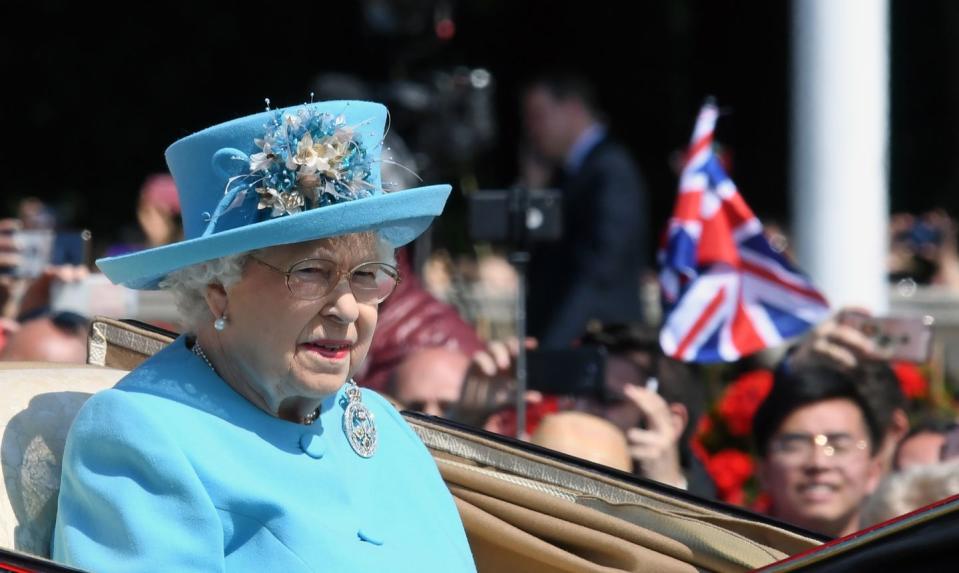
<point x="817" y="441"/>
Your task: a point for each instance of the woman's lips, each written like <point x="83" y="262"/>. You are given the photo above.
<point x="329" y="349"/>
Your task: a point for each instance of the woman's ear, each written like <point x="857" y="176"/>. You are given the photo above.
<point x="216" y="299"/>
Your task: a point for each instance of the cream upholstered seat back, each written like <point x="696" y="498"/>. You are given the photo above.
<point x="38" y="404"/>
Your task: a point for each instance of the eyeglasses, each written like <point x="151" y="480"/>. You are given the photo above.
<point x="796" y="448"/>
<point x="311" y="279"/>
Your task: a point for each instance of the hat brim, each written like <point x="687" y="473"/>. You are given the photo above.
<point x="398" y="217"/>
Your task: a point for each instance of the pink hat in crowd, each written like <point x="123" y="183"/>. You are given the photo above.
<point x="159" y="189"/>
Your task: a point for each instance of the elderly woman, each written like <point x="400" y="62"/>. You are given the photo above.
<point x="245" y="445"/>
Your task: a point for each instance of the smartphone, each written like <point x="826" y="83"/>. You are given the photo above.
<point x="568" y="372"/>
<point x="39" y="248"/>
<point x="34" y="247"/>
<point x="907" y="338"/>
<point x="71" y="248"/>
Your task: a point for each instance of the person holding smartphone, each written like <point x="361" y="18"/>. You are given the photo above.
<point x="818" y="445"/>
<point x="655" y="401"/>
<point x="847" y="342"/>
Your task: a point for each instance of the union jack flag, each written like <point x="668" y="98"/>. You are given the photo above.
<point x="727" y="293"/>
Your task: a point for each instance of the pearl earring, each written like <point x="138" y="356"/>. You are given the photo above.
<point x="220" y="323"/>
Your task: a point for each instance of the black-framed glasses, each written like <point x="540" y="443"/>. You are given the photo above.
<point x="310" y="279"/>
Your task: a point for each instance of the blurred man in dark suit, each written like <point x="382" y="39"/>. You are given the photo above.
<point x="593" y="271"/>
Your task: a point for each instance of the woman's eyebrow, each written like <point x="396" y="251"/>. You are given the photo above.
<point x="347" y="259"/>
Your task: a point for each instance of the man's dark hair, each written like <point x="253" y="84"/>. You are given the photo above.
<point x="795" y="388"/>
<point x="563" y="86"/>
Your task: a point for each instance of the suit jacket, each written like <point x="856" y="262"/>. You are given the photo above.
<point x="172" y="470"/>
<point x="593" y="271"/>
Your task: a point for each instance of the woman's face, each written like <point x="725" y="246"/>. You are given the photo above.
<point x="289" y="350"/>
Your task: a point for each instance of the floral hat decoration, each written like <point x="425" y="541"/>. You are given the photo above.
<point x="278" y="177"/>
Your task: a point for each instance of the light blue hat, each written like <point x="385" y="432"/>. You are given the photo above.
<point x="280" y="177"/>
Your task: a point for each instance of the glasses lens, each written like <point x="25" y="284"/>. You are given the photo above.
<point x="312" y="278"/>
<point x="793" y="446"/>
<point x="799" y="447"/>
<point x="373" y="282"/>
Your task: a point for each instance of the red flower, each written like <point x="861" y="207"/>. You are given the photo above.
<point x="699" y="451"/>
<point x="703" y="428"/>
<point x="911" y="380"/>
<point x="735" y="497"/>
<point x="505" y="418"/>
<point x="730" y="469"/>
<point x="742" y="398"/>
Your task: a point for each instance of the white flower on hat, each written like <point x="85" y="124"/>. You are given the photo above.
<point x="306" y="156"/>
<point x="287" y="203"/>
<point x="262" y="160"/>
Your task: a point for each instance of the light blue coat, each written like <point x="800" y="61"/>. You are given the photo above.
<point x="172" y="470"/>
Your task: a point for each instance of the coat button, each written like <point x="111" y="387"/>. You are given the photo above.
<point x="312" y="445"/>
<point x="364" y="536"/>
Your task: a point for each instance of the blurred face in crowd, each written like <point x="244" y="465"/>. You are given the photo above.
<point x="552" y="124"/>
<point x="819" y="468"/>
<point x="430" y="380"/>
<point x="40" y="340"/>
<point x="920" y="449"/>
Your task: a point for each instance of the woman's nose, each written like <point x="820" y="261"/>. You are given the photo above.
<point x="342" y="304"/>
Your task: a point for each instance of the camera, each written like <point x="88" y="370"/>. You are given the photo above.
<point x="516" y="216"/>
<point x="569" y="371"/>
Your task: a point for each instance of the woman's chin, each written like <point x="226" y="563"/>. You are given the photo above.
<point x="329" y="374"/>
<point x="319" y="375"/>
<point x="321" y="383"/>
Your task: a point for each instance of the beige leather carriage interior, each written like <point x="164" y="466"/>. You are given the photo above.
<point x="523" y="511"/>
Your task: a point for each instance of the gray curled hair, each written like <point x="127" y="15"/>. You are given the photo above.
<point x="188" y="285"/>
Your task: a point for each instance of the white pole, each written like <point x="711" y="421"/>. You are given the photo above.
<point x="840" y="147"/>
